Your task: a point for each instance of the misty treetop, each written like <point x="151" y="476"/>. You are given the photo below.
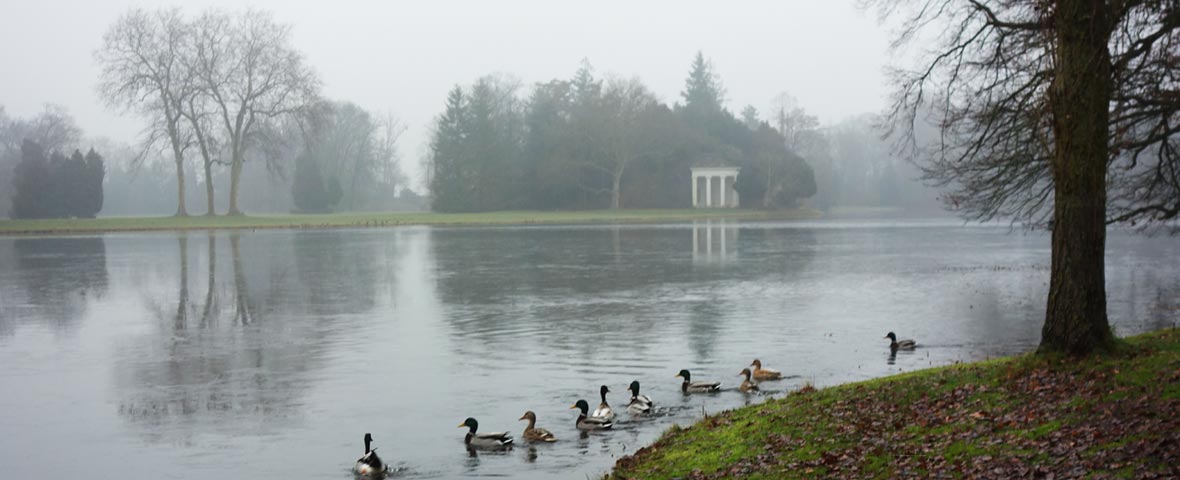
<point x="216" y="82"/>
<point x="586" y="142"/>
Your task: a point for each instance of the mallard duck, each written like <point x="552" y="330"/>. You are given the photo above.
<point x="895" y="344"/>
<point x="603" y="411"/>
<point x="587" y="422"/>
<point x="748" y="385"/>
<point x="765" y="373"/>
<point x="492" y="440"/>
<point x="689" y="386"/>
<point x="534" y="434"/>
<point x="640" y="404"/>
<point x="369" y="464"/>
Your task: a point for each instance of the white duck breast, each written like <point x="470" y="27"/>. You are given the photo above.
<point x="604" y="411"/>
<point x="585" y="422"/>
<point x="640" y="404"/>
<point x="369" y="464"/>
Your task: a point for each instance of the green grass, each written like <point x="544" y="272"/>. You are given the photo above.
<point x="385" y="219"/>
<point x="1032" y="412"/>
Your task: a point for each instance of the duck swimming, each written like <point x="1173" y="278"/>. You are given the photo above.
<point x="586" y="422"/>
<point x="748" y="385"/>
<point x="764" y="373"/>
<point x="369" y="464"/>
<point x="604" y="411"/>
<point x="491" y="440"/>
<point x="640" y="404"/>
<point x="689" y="386"/>
<point x="895" y="344"/>
<point x="533" y="434"/>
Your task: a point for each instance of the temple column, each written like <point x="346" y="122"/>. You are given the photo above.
<point x="695" y="201"/>
<point x="708" y="191"/>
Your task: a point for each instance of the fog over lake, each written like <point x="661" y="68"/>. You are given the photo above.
<point x="269" y="354"/>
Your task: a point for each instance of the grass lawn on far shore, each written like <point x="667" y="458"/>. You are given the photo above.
<point x="385" y="219"/>
<point x="1113" y="415"/>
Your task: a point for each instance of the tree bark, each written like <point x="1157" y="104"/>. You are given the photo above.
<point x="209" y="209"/>
<point x="181" y="211"/>
<point x="1075" y="318"/>
<point x="235" y="173"/>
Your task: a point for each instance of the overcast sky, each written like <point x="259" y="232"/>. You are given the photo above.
<point x="404" y="56"/>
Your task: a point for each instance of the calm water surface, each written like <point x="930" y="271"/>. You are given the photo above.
<point x="269" y="354"/>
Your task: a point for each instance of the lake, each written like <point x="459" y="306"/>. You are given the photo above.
<point x="270" y="354"/>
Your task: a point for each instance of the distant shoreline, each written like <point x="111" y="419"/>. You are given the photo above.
<point x="387" y="219"/>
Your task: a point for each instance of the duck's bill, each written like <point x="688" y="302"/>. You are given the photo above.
<point x="573" y="407"/>
<point x="461" y="425"/>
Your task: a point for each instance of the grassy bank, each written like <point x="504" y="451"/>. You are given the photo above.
<point x="384" y="219"/>
<point x="1114" y="415"/>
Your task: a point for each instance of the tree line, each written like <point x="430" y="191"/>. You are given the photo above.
<point x="586" y="142"/>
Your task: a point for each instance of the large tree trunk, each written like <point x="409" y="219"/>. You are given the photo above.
<point x="1075" y="318"/>
<point x="235" y="173"/>
<point x="209" y="209"/>
<point x="181" y="211"/>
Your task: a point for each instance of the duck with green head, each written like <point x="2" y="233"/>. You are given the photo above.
<point x="640" y="404"/>
<point x="895" y="344"/>
<point x="689" y="386"/>
<point x="586" y="422"/>
<point x="490" y="440"/>
<point x="604" y="411"/>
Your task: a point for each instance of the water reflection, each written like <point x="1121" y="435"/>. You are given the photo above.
<point x="51" y="281"/>
<point x="262" y="332"/>
<point x="714" y="241"/>
<point x="544" y="285"/>
<point x="266" y="355"/>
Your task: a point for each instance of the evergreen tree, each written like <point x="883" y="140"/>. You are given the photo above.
<point x="703" y="92"/>
<point x="307" y="190"/>
<point x="750" y="117"/>
<point x="585" y="87"/>
<point x="448" y="193"/>
<point x="71" y="182"/>
<point x="93" y="186"/>
<point x="56" y="199"/>
<point x="31" y="179"/>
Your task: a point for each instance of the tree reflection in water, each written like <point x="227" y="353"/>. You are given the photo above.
<point x="51" y="281"/>
<point x="247" y="359"/>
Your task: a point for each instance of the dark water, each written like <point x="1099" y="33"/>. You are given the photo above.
<point x="269" y="355"/>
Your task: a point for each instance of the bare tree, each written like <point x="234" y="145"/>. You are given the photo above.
<point x="800" y="133"/>
<point x="1060" y="113"/>
<point x="203" y="125"/>
<point x="625" y="102"/>
<point x="251" y="75"/>
<point x="142" y="69"/>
